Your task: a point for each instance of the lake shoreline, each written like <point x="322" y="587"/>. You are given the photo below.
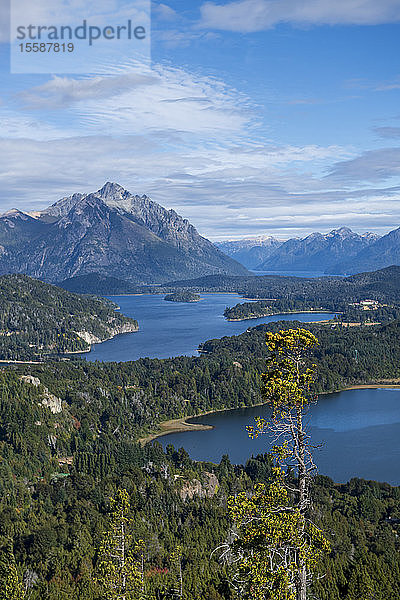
<point x="192" y="324"/>
<point x="289" y="312"/>
<point x="181" y="425"/>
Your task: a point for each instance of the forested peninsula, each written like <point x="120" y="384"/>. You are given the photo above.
<point x="39" y="320"/>
<point x="266" y="308"/>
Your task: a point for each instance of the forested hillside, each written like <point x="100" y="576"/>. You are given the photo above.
<point x="132" y="398"/>
<point x="60" y="462"/>
<point x="382" y="285"/>
<point x="38" y="319"/>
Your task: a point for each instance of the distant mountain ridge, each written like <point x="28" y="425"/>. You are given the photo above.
<point x="317" y="251"/>
<point x="250" y="252"/>
<point x="341" y="251"/>
<point x="111" y="232"/>
<point x="384" y="251"/>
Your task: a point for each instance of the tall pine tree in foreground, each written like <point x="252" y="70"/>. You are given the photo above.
<point x="276" y="548"/>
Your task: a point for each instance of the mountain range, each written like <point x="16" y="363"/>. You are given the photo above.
<point x="110" y="232"/>
<point x="384" y="251"/>
<point x="318" y="252"/>
<point x="340" y="252"/>
<point x="251" y="251"/>
<point x="115" y="234"/>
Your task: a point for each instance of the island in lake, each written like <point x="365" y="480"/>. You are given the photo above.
<point x="183" y="296"/>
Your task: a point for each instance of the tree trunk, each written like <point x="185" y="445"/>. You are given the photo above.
<point x="303" y="500"/>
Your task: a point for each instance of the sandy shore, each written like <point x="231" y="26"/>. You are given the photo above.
<point x="180" y="425"/>
<point x="174" y="426"/>
<point x="374" y="386"/>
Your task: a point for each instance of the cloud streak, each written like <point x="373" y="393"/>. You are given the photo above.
<point x="224" y="192"/>
<point x="372" y="166"/>
<point x="167" y="99"/>
<point x="192" y="143"/>
<point x="247" y="16"/>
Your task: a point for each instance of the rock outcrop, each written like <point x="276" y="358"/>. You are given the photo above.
<point x="48" y="399"/>
<point x="207" y="488"/>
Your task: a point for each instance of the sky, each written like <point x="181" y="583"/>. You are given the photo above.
<point x="255" y="117"/>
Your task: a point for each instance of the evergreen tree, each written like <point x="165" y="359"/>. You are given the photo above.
<point x="277" y="547"/>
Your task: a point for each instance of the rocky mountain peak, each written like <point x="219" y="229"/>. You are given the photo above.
<point x="111" y="189"/>
<point x="114" y="233"/>
<point x="88" y="211"/>
<point x="342" y="232"/>
<point x="14" y="213"/>
<point x="60" y="208"/>
<point x="369" y="235"/>
<point x="117" y="197"/>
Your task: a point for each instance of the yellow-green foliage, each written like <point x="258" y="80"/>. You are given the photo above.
<point x="287" y="381"/>
<point x="278" y="548"/>
<point x="11" y="586"/>
<point x="120" y="569"/>
<point x="273" y="539"/>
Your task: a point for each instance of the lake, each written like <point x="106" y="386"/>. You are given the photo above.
<point x="307" y="274"/>
<point x="177" y="328"/>
<point x="359" y="430"/>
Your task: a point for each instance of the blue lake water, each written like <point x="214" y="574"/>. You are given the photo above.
<point x="177" y="328"/>
<point x="307" y="274"/>
<point x="359" y="431"/>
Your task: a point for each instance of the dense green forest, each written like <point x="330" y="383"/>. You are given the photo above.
<point x="263" y="308"/>
<point x="102" y="285"/>
<point x="38" y="319"/>
<point x="52" y="515"/>
<point x="60" y="463"/>
<point x="346" y="312"/>
<point x="382" y="285"/>
<point x="133" y="397"/>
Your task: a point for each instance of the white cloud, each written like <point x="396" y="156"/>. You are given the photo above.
<point x="257" y="15"/>
<point x="224" y="191"/>
<point x="165" y="99"/>
<point x="62" y="92"/>
<point x="179" y="137"/>
<point x="164" y="12"/>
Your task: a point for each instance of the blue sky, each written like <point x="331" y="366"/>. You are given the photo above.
<point x="276" y="117"/>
